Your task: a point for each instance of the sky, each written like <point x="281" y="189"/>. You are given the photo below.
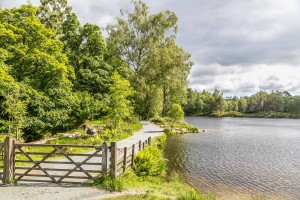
<point x="239" y="47"/>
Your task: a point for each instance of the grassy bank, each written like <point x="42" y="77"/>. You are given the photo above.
<point x="159" y="187"/>
<point x="149" y="177"/>
<point x="174" y="127"/>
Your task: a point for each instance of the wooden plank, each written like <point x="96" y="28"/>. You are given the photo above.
<point x="125" y="158"/>
<point x="59" y="145"/>
<point x="59" y="170"/>
<point x="47" y="181"/>
<point x="55" y="176"/>
<point x="132" y="155"/>
<point x="60" y="154"/>
<point x="57" y="162"/>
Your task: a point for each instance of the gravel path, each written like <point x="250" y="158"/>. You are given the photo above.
<point x="51" y="191"/>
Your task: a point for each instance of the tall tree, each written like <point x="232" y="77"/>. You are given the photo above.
<point x="145" y="42"/>
<point x="53" y="13"/>
<point x="86" y="48"/>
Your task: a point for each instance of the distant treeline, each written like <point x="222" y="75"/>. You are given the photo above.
<point x="261" y="104"/>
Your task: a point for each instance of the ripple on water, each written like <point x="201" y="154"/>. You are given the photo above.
<point x="254" y="157"/>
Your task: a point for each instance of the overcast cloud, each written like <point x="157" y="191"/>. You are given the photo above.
<point x="239" y="47"/>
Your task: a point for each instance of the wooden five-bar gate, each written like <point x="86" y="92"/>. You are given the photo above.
<point x="60" y="163"/>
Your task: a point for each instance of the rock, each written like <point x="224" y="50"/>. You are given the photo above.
<point x="69" y="135"/>
<point x="90" y="130"/>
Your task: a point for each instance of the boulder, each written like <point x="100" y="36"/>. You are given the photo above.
<point x="90" y="130"/>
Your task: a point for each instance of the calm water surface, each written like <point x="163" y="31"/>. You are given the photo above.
<point x="240" y="156"/>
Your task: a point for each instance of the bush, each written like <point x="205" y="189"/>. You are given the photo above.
<point x="176" y="112"/>
<point x="30" y="135"/>
<point x="108" y="183"/>
<point x="149" y="162"/>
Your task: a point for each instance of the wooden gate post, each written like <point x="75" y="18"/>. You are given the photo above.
<point x="104" y="159"/>
<point x="114" y="160"/>
<point x="9" y="160"/>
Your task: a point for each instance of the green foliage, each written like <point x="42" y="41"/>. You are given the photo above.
<point x="120" y="106"/>
<point x="260" y="104"/>
<point x="149" y="162"/>
<point x="108" y="183"/>
<point x="171" y="128"/>
<point x="176" y="113"/>
<point x="53" y="13"/>
<point x="193" y="195"/>
<point x="158" y="66"/>
<point x="139" y="197"/>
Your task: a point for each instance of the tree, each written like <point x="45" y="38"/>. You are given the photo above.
<point x="218" y="103"/>
<point x="37" y="63"/>
<point x="146" y="43"/>
<point x="85" y="47"/>
<point x="243" y="105"/>
<point x="176" y="112"/>
<point x="53" y="13"/>
<point x="120" y="108"/>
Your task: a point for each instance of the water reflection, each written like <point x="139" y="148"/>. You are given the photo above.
<point x="254" y="156"/>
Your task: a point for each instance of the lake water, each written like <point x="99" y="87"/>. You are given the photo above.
<point x="240" y="158"/>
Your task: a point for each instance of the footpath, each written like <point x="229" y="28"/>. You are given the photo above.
<point x="51" y="191"/>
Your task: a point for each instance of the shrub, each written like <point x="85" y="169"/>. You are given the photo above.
<point x="160" y="141"/>
<point x="176" y="112"/>
<point x="149" y="162"/>
<point x="108" y="183"/>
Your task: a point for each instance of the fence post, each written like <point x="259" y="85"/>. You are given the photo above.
<point x="149" y="141"/>
<point x="104" y="159"/>
<point x="114" y="160"/>
<point x="125" y="159"/>
<point x="140" y="145"/>
<point x="143" y="145"/>
<point x="9" y="160"/>
<point x="132" y="155"/>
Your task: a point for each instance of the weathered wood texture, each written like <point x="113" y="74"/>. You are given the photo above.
<point x="59" y="165"/>
<point x="9" y="159"/>
<point x="67" y="168"/>
<point x="1" y="159"/>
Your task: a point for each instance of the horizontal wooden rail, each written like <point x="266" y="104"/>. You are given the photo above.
<point x="55" y="176"/>
<point x="59" y="154"/>
<point x="60" y="145"/>
<point x="58" y="162"/>
<point x="48" y="181"/>
<point x="59" y="170"/>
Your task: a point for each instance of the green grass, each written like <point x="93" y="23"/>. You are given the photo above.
<point x="2" y="138"/>
<point x="138" y="197"/>
<point x="160" y="186"/>
<point x="83" y="140"/>
<point x="174" y="127"/>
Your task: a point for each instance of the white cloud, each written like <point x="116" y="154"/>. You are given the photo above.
<point x="237" y="45"/>
<point x="235" y="80"/>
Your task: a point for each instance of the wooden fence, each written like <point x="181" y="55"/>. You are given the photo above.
<point x="1" y="159"/>
<point x="124" y="158"/>
<point x="65" y="163"/>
